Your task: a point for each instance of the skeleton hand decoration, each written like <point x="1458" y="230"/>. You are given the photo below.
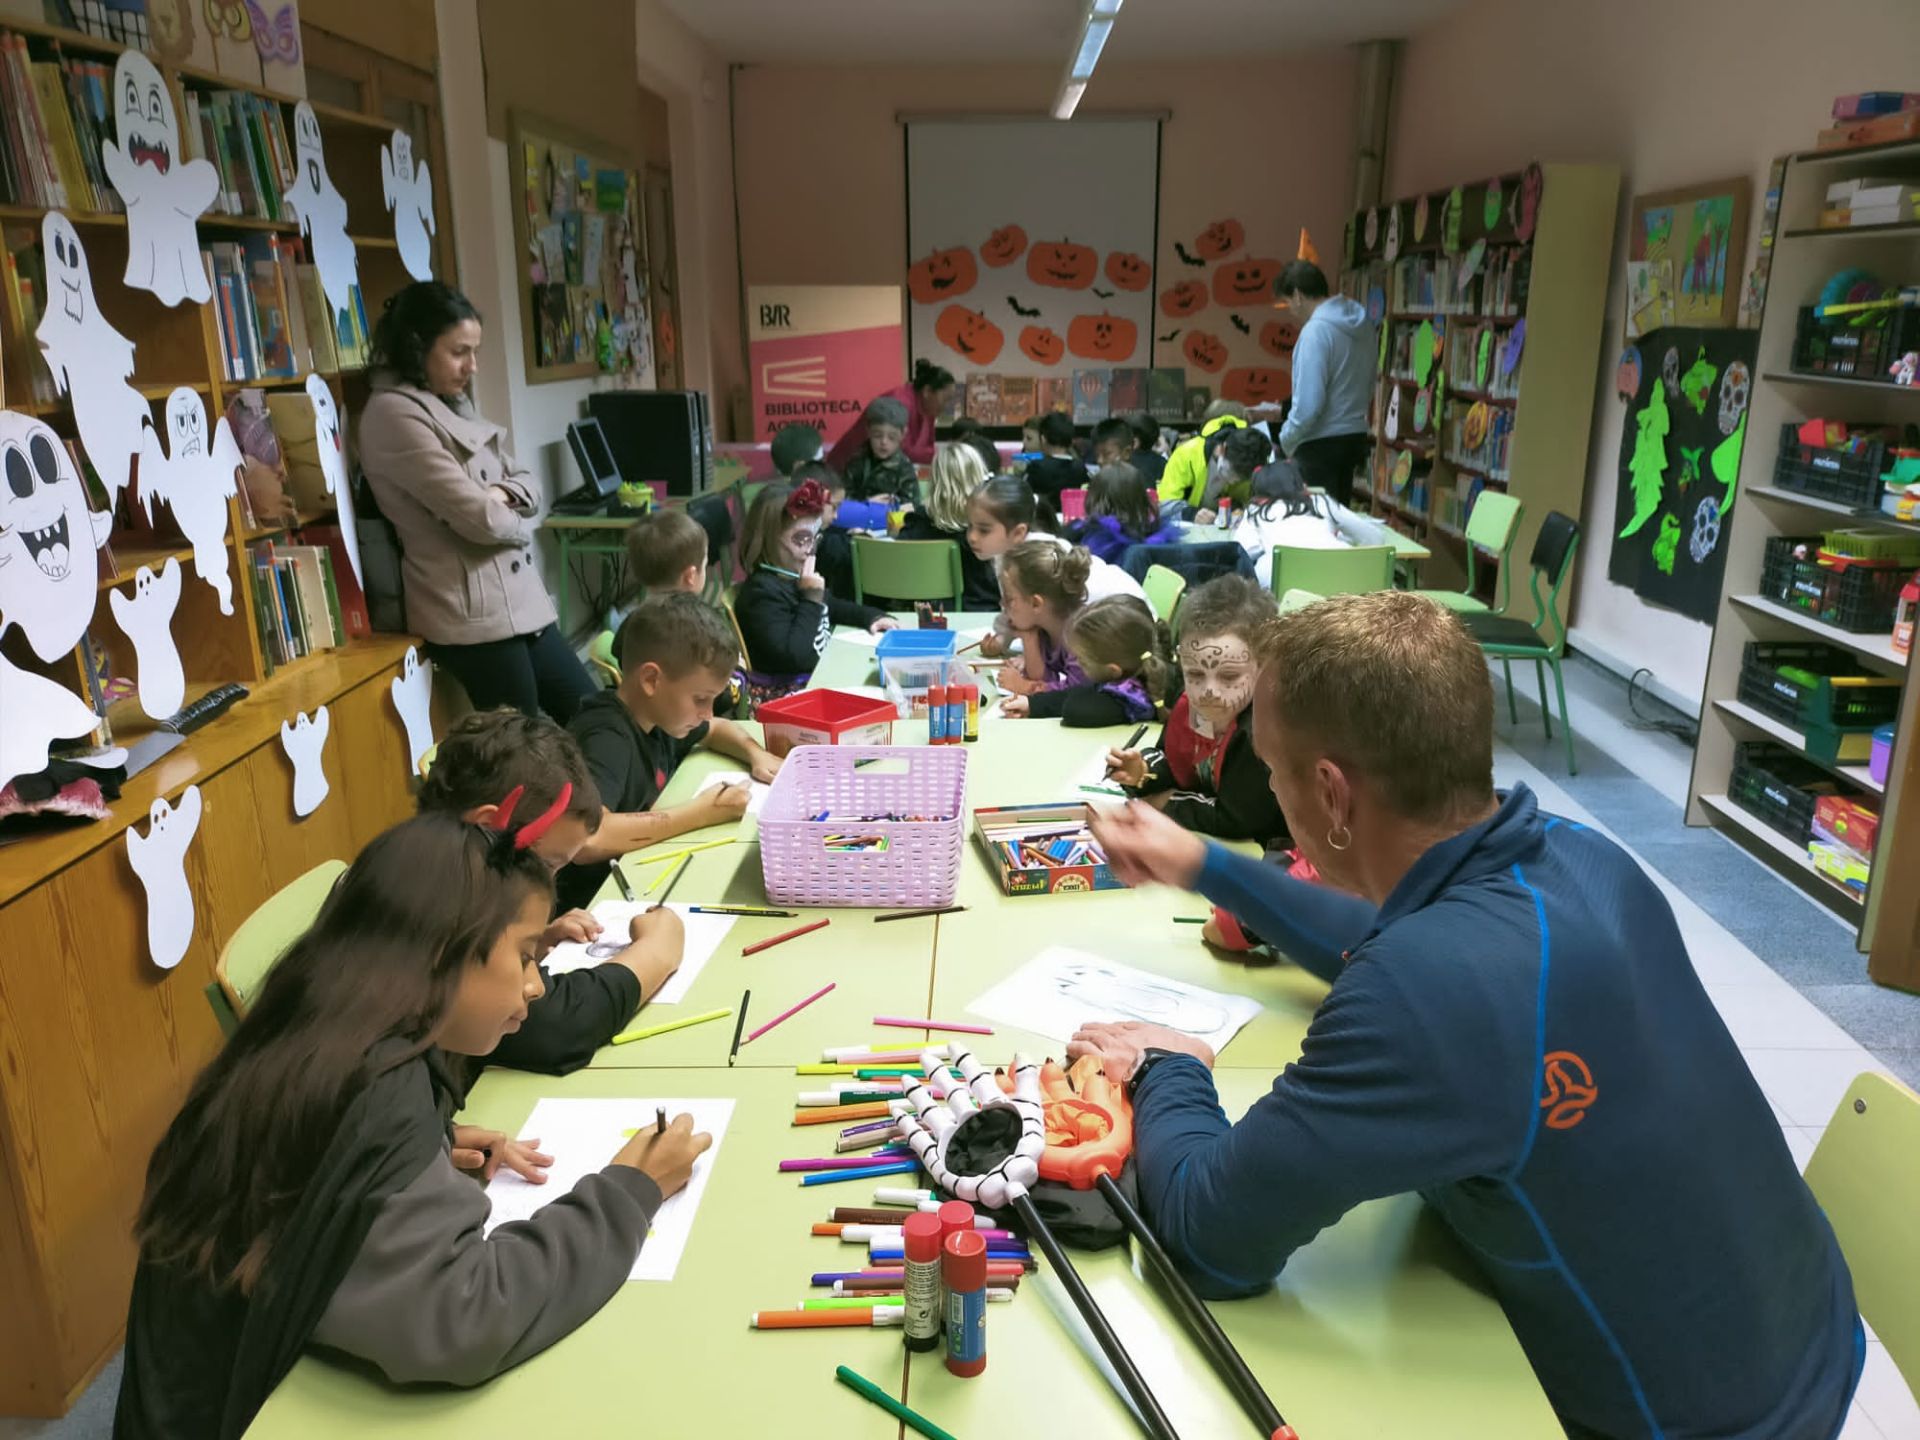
<point x="979" y="1143"/>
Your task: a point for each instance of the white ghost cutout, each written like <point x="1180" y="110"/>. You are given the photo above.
<point x="90" y="360"/>
<point x="195" y="477"/>
<point x="147" y="618"/>
<point x="331" y="443"/>
<point x="159" y="858"/>
<point x="1392" y="423"/>
<point x="165" y="193"/>
<point x="35" y="712"/>
<point x="408" y="190"/>
<point x="49" y="568"/>
<point x="413" y="698"/>
<point x="304" y="740"/>
<point x="322" y="212"/>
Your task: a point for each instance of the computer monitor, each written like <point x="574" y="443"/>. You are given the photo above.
<point x="594" y="457"/>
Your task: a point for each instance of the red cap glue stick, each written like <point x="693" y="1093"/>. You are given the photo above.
<point x="963" y="1265"/>
<point x="920" y="1237"/>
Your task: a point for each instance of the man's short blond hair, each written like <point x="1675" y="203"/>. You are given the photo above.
<point x="1393" y="689"/>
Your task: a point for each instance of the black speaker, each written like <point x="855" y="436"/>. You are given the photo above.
<point x="658" y="435"/>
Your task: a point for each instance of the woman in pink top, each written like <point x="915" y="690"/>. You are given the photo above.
<point x="926" y="397"/>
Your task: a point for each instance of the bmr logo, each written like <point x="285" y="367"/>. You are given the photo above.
<point x="1569" y="1089"/>
<point x="804" y="378"/>
<point x="776" y="317"/>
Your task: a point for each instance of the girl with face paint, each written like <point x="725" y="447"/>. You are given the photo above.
<point x="1203" y="771"/>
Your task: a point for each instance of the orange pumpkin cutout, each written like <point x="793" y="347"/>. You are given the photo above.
<point x="1278" y="337"/>
<point x="1062" y="265"/>
<point x="1204" y="351"/>
<point x="969" y="333"/>
<point x="1102" y="337"/>
<point x="1246" y="281"/>
<point x="1041" y="345"/>
<point x="1004" y="246"/>
<point x="1220" y="239"/>
<point x="941" y="276"/>
<point x="1128" y="272"/>
<point x="1189" y="297"/>
<point x="1256" y="385"/>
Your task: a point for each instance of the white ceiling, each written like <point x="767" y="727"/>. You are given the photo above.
<point x="932" y="32"/>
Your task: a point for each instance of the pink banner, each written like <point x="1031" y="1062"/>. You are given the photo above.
<point x="818" y="354"/>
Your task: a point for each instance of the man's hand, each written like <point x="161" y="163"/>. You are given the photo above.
<point x="485" y="1151"/>
<point x="1144" y="847"/>
<point x="576" y="926"/>
<point x="1120" y="1046"/>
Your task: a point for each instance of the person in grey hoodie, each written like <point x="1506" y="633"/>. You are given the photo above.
<point x="1333" y="374"/>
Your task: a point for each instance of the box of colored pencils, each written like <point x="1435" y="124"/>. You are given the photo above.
<point x="1043" y="849"/>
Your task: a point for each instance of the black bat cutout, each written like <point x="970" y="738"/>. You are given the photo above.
<point x="1240" y="325"/>
<point x="1015" y="304"/>
<point x="1103" y="294"/>
<point x="1186" y="259"/>
<point x="1170" y="335"/>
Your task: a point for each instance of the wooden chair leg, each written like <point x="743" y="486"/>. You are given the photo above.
<point x="1566" y="720"/>
<point x="1513" y="706"/>
<point x="1546" y="710"/>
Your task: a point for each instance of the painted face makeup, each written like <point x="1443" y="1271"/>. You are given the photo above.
<point x="1219" y="671"/>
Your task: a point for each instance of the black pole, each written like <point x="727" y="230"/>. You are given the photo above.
<point x="1152" y="1417"/>
<point x="1199" y="1320"/>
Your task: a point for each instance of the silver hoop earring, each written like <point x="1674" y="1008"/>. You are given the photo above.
<point x="1333" y="844"/>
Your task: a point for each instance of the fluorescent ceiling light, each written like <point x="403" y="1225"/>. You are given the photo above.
<point x="1095" y="26"/>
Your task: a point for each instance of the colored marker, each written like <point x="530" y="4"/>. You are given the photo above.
<point x="894" y="1195"/>
<point x="833" y="1114"/>
<point x="739" y="910"/>
<point x="630" y="1036"/>
<point x="834" y="1177"/>
<point x="738" y="1025"/>
<point x="1190" y="919"/>
<point x="866" y="1054"/>
<point x="878" y="1317"/>
<point x="792" y="1009"/>
<point x="838" y="1162"/>
<point x="867" y="1390"/>
<point x="901" y="1022"/>
<point x="626" y="885"/>
<point x="872" y="1285"/>
<point x="782" y="939"/>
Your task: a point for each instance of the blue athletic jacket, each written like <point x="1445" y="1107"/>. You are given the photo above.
<point x="1519" y="1036"/>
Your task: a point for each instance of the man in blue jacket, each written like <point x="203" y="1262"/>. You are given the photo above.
<point x="1333" y="375"/>
<point x="1515" y="1032"/>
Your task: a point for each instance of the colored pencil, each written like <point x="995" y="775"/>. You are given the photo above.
<point x="781" y="939"/>
<point x="918" y="914"/>
<point x="686" y="850"/>
<point x="756" y="910"/>
<point x="833" y="1114"/>
<point x="667" y="894"/>
<point x="878" y="1317"/>
<point x="867" y="1390"/>
<point x="791" y="1010"/>
<point x="867" y="1055"/>
<point x="739" y="1024"/>
<point x="834" y="1177"/>
<point x="631" y="1035"/>
<point x="901" y="1022"/>
<point x="1189" y="919"/>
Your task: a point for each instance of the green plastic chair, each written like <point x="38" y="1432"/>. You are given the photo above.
<point x="907" y="569"/>
<point x="263" y="937"/>
<point x="1865" y="1172"/>
<point x="1508" y="638"/>
<point x="600" y="659"/>
<point x="1164" y="587"/>
<point x="1298" y="600"/>
<point x="1492" y="525"/>
<point x="223" y="1015"/>
<point x="427" y="757"/>
<point x="1346" y="570"/>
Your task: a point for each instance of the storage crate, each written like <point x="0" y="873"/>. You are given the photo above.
<point x="1901" y="550"/>
<point x="1808" y="684"/>
<point x="1778" y="788"/>
<point x="913" y="798"/>
<point x="1829" y="472"/>
<point x="826" y="717"/>
<point x="1856" y="595"/>
<point x="1863" y="344"/>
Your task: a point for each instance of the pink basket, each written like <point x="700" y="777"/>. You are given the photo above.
<point x="920" y="866"/>
<point x="1073" y="504"/>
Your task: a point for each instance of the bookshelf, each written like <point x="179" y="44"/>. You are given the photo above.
<point x="1537" y="416"/>
<point x="1805" y="256"/>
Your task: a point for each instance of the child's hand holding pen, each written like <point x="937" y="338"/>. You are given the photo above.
<point x="1128" y="767"/>
<point x="729" y="801"/>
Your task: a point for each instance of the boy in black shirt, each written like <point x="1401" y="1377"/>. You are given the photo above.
<point x="677" y="655"/>
<point x="1059" y="466"/>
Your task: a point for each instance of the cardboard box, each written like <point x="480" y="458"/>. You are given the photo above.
<point x="1039" y="879"/>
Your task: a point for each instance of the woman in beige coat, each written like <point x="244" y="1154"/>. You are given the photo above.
<point x="464" y="510"/>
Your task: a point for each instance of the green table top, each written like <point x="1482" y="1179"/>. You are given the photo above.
<point x="1405" y="547"/>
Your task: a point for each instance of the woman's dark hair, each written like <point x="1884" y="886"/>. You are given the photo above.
<point x="929" y="376"/>
<point x="1119" y="491"/>
<point x="1007" y="498"/>
<point x="1122" y="632"/>
<point x="1281" y="483"/>
<point x="1246" y="450"/>
<point x="1304" y="276"/>
<point x="380" y="963"/>
<point x="412" y="320"/>
<point x="1056" y="430"/>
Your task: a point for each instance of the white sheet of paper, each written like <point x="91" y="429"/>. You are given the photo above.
<point x="1060" y="989"/>
<point x="164" y="191"/>
<point x="147" y="618"/>
<point x="705" y="935"/>
<point x="159" y="859"/>
<point x="755" y="800"/>
<point x="49" y="539"/>
<point x="1094" y="772"/>
<point x="322" y="212"/>
<point x="305" y="742"/>
<point x="407" y="188"/>
<point x="582" y="1136"/>
<point x="195" y="477"/>
<point x="412" y="691"/>
<point x="91" y="361"/>
<point x="865" y="639"/>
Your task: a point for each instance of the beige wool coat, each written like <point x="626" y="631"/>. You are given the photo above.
<point x="468" y="565"/>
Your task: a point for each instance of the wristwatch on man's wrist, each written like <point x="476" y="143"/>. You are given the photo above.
<point x="1148" y="1059"/>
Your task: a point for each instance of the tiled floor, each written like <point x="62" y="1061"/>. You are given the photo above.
<point x="1799" y="1010"/>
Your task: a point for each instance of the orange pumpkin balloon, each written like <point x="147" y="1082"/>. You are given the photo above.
<point x="1102" y="337"/>
<point x="1062" y="265"/>
<point x="969" y="334"/>
<point x="1204" y="351"/>
<point x="1278" y="337"/>
<point x="1246" y="281"/>
<point x="1184" y="299"/>
<point x="1041" y="345"/>
<point x="1220" y="239"/>
<point x="1256" y="385"/>
<point x="1128" y="272"/>
<point x="1004" y="246"/>
<point x="943" y="275"/>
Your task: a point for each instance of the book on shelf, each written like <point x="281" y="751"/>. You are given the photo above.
<point x="1052" y="393"/>
<point x="274" y="319"/>
<point x="1090" y="391"/>
<point x="23" y="278"/>
<point x="1167" y="393"/>
<point x="350" y="599"/>
<point x="983" y="397"/>
<point x="297" y="600"/>
<point x="1017" y="394"/>
<point x="54" y="117"/>
<point x="244" y="137"/>
<point x="1127" y="391"/>
<point x="124" y="22"/>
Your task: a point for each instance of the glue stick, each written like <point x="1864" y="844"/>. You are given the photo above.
<point x="971" y="732"/>
<point x="956" y="1218"/>
<point x="936" y="715"/>
<point x="963" y="1265"/>
<point x="921" y="1238"/>
<point x="956" y="714"/>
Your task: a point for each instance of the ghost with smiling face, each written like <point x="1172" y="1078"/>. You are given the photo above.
<point x="146" y="617"/>
<point x="164" y="192"/>
<point x="408" y="189"/>
<point x="322" y="212"/>
<point x="90" y="360"/>
<point x="331" y="443"/>
<point x="195" y="477"/>
<point x="159" y="858"/>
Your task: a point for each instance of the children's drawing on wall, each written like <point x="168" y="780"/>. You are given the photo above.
<point x="305" y="741"/>
<point x="407" y="186"/>
<point x="195" y="477"/>
<point x="159" y="858"/>
<point x="90" y="360"/>
<point x="146" y="617"/>
<point x="1684" y="254"/>
<point x="322" y="212"/>
<point x="164" y="191"/>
